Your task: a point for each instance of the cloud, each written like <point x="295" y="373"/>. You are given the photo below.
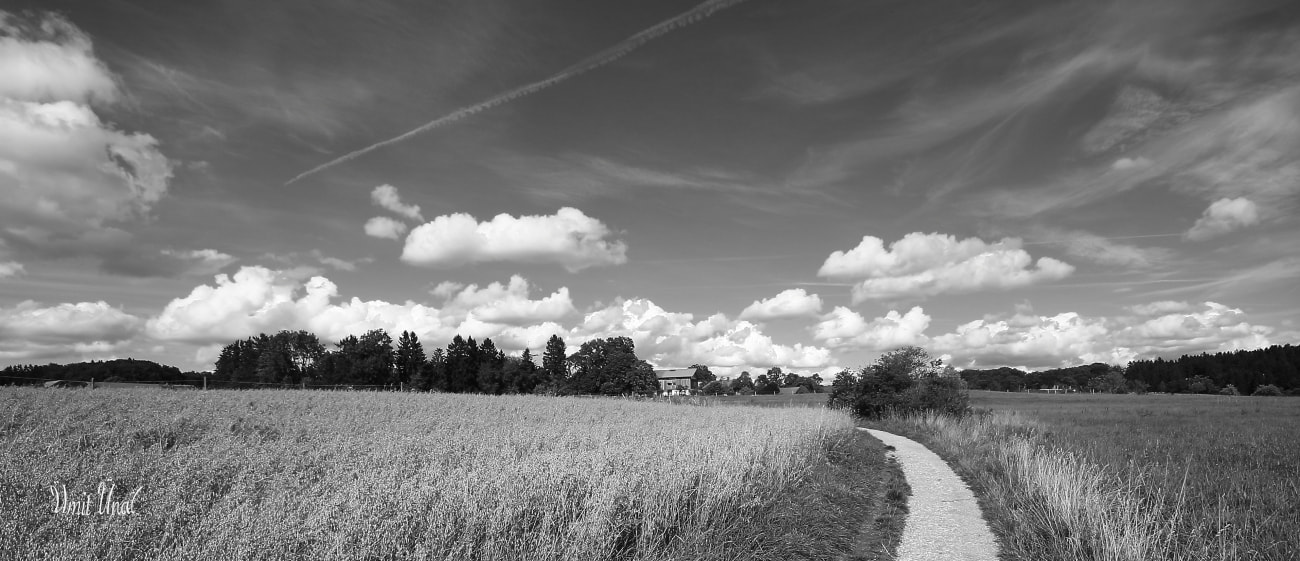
<point x="1160" y="329"/>
<point x="597" y="60"/>
<point x="791" y="303"/>
<point x="1159" y="308"/>
<point x="1239" y="147"/>
<point x="508" y="304"/>
<point x="11" y="269"/>
<point x="1064" y="339"/>
<point x="66" y="324"/>
<point x="385" y="227"/>
<point x="446" y="289"/>
<point x="569" y="238"/>
<point x="1130" y="163"/>
<point x="64" y="172"/>
<point x="676" y="339"/>
<point x="386" y="196"/>
<point x="259" y="300"/>
<point x="201" y="261"/>
<point x="142" y="261"/>
<point x="926" y="264"/>
<point x="1214" y="327"/>
<point x="1223" y="216"/>
<point x="49" y="59"/>
<point x="333" y="262"/>
<point x="845" y="328"/>
<point x="1104" y="251"/>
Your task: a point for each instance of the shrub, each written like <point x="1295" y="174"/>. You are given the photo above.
<point x="1268" y="390"/>
<point x="1229" y="390"/>
<point x="904" y="381"/>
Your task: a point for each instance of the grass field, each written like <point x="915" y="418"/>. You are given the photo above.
<point x="325" y="475"/>
<point x="1098" y="476"/>
<point x="796" y="400"/>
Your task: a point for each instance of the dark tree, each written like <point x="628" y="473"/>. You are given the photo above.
<point x="902" y="381"/>
<point x="409" y="359"/>
<point x="610" y="367"/>
<point x="555" y="370"/>
<point x="743" y="383"/>
<point x="491" y="368"/>
<point x="702" y="375"/>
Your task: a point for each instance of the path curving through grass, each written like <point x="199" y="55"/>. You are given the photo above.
<point x="944" y="522"/>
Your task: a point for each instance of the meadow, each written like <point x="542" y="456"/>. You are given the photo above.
<point x="1128" y="477"/>
<point x="281" y="474"/>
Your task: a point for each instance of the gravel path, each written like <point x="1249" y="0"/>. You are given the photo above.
<point x="943" y="520"/>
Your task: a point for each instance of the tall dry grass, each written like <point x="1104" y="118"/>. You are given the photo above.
<point x="1100" y="482"/>
<point x="316" y="475"/>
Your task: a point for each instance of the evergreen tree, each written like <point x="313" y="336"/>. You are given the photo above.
<point x="409" y="358"/>
<point x="555" y="370"/>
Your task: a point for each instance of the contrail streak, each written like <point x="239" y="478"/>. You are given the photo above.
<point x="593" y="62"/>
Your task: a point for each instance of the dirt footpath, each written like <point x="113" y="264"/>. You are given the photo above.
<point x="943" y="519"/>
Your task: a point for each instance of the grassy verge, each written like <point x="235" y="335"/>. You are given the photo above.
<point x="852" y="508"/>
<point x="1128" y="477"/>
<point x="306" y="475"/>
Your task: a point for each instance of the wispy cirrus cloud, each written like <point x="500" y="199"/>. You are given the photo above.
<point x="1102" y="250"/>
<point x="597" y="60"/>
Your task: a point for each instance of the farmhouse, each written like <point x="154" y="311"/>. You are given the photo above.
<point x="677" y="381"/>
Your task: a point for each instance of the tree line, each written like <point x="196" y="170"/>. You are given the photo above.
<point x="116" y="370"/>
<point x="1275" y="368"/>
<point x="600" y="366"/>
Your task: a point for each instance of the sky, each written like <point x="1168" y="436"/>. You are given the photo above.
<point x="740" y="184"/>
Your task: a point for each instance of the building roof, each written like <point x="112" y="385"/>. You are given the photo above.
<point x="675" y="373"/>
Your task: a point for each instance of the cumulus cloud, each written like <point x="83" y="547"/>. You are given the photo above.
<point x="1161" y="329"/>
<point x="49" y="59"/>
<point x="509" y="303"/>
<point x="845" y="328"/>
<point x="1223" y="216"/>
<point x="677" y="339"/>
<point x="385" y="227"/>
<point x="1031" y="341"/>
<point x="259" y="300"/>
<point x="1212" y="327"/>
<point x="922" y="264"/>
<point x="569" y="238"/>
<point x="386" y="196"/>
<point x="64" y="172"/>
<point x="792" y="303"/>
<point x="81" y="322"/>
<point x="11" y="269"/>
